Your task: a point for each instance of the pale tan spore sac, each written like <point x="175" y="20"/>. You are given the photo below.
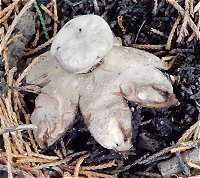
<point x="82" y="43"/>
<point x="101" y="94"/>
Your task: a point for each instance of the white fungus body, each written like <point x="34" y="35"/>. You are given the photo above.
<point x="126" y="73"/>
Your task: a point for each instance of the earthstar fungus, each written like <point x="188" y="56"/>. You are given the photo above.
<point x="67" y="82"/>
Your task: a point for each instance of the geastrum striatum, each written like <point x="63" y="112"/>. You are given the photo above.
<point x="87" y="67"/>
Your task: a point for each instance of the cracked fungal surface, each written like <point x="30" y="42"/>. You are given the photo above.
<point x="66" y="82"/>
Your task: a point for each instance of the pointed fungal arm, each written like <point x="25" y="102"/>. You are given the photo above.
<point x="106" y="115"/>
<point x="139" y="77"/>
<point x="109" y="122"/>
<point x="55" y="109"/>
<point x="41" y="70"/>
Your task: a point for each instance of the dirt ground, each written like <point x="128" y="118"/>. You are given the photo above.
<point x="158" y="26"/>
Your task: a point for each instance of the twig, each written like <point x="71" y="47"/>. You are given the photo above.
<point x="33" y="160"/>
<point x="96" y="174"/>
<point x="5" y="60"/>
<point x="146" y="159"/>
<point x="55" y="25"/>
<point x="56" y="163"/>
<point x="7" y="15"/>
<point x="28" y="89"/>
<point x="180" y="149"/>
<point x="45" y="156"/>
<point x="99" y="167"/>
<point x="183" y="30"/>
<point x="147" y="46"/>
<point x="196" y="10"/>
<point x="5" y="10"/>
<point x="37" y="36"/>
<point x="182" y="12"/>
<point x="39" y="48"/>
<point x="120" y="23"/>
<point x="6" y="144"/>
<point x="63" y="148"/>
<point x="78" y="165"/>
<point x="18" y="128"/>
<point x="191" y="164"/>
<point x="191" y="4"/>
<point x="47" y="11"/>
<point x="169" y="40"/>
<point x="197" y="7"/>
